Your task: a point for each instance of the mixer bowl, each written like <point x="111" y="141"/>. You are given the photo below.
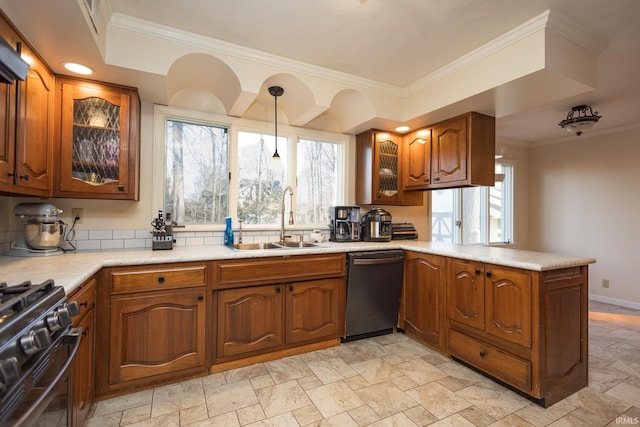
<point x="42" y="235"/>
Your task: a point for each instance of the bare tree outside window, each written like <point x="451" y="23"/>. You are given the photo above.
<point x="261" y="180"/>
<point x="196" y="172"/>
<point x="317" y="181"/>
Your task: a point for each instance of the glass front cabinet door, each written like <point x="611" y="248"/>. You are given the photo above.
<point x="99" y="133"/>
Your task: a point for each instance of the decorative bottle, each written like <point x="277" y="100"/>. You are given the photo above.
<point x="228" y="233"/>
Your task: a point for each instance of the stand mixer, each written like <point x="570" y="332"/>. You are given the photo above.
<point x="40" y="231"/>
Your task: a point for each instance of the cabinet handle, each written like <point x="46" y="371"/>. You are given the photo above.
<point x="477" y="272"/>
<point x="161" y="279"/>
<point x="120" y="187"/>
<point x="437" y="178"/>
<point x="489" y="274"/>
<point x="200" y="298"/>
<point x="84" y="304"/>
<point x="85" y="332"/>
<point x="483" y="353"/>
<point x="290" y="288"/>
<point x="11" y="174"/>
<point x="278" y="290"/>
<point x="25" y="177"/>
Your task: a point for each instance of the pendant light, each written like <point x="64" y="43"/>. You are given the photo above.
<point x="276" y="91"/>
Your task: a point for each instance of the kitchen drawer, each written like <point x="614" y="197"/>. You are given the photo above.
<point x="278" y="269"/>
<point x="85" y="296"/>
<point x="157" y="277"/>
<point x="495" y="362"/>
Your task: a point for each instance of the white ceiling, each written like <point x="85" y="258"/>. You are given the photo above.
<point x="394" y="42"/>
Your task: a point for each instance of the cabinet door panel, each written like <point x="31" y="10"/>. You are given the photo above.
<point x="82" y="387"/>
<point x="156" y="333"/>
<point x="249" y="319"/>
<point x="450" y="146"/>
<point x="7" y="134"/>
<point x="508" y="305"/>
<point x="424" y="297"/>
<point x="418" y="160"/>
<point x="313" y="310"/>
<point x="36" y="118"/>
<point x="466" y="293"/>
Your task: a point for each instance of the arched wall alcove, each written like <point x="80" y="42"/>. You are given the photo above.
<point x="195" y="73"/>
<point x="351" y="108"/>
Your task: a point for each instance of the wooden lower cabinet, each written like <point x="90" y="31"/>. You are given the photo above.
<point x="259" y="319"/>
<point x="82" y="378"/>
<point x="155" y="334"/>
<point x="525" y="328"/>
<point x="264" y="305"/>
<point x="249" y="320"/>
<point x="423" y="298"/>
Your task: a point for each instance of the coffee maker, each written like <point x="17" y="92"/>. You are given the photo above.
<point x="344" y="223"/>
<point x="376" y="226"/>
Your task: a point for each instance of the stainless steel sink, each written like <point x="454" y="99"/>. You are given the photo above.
<point x="298" y="245"/>
<point x="273" y="245"/>
<point x="255" y="246"/>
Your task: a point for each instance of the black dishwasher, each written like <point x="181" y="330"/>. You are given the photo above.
<point x="374" y="284"/>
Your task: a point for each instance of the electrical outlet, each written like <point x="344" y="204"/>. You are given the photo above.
<point x="605" y="283"/>
<point x="77" y="213"/>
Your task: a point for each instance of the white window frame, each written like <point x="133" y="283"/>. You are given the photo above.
<point x="509" y="200"/>
<point x="162" y="113"/>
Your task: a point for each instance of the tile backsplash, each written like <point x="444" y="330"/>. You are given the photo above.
<point x="95" y="240"/>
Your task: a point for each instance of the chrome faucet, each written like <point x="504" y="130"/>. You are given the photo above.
<point x="290" y="190"/>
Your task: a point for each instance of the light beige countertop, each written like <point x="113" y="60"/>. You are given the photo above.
<point x="73" y="268"/>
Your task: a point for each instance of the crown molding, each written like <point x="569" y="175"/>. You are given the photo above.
<point x="154" y="30"/>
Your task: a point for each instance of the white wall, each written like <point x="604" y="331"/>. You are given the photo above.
<point x="584" y="199"/>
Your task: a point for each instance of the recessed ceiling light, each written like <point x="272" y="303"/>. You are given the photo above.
<point x="78" y="68"/>
<point x="402" y="128"/>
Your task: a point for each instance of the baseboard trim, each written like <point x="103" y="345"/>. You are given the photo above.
<point x="615" y="301"/>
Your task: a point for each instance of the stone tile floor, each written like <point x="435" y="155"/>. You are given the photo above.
<point x="391" y="380"/>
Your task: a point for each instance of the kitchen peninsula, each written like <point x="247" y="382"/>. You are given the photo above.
<point x="518" y="316"/>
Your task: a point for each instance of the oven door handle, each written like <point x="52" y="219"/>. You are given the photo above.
<point x="73" y="338"/>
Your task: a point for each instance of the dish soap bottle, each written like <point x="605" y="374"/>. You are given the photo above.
<point x="228" y="233"/>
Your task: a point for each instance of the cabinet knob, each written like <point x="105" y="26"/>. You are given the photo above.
<point x="161" y="279"/>
<point x="120" y="187"/>
<point x="426" y="180"/>
<point x="278" y="290"/>
<point x="200" y="298"/>
<point x="489" y="274"/>
<point x="477" y="272"/>
<point x="437" y="178"/>
<point x="483" y="353"/>
<point x="84" y="304"/>
<point x="290" y="288"/>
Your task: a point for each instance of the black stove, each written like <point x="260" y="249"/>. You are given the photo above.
<point x="35" y="333"/>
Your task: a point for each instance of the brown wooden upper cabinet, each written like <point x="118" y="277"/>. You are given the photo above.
<point x="379" y="170"/>
<point x="98" y="138"/>
<point x="25" y="146"/>
<point x="458" y="152"/>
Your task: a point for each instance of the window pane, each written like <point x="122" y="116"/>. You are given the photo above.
<point x="472" y="215"/>
<point x="442" y="216"/>
<point x="500" y="205"/>
<point x="317" y="181"/>
<point x="261" y="180"/>
<point x="196" y="172"/>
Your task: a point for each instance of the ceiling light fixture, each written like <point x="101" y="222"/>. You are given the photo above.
<point x="78" y="68"/>
<point x="578" y="120"/>
<point x="402" y="128"/>
<point x="276" y="91"/>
